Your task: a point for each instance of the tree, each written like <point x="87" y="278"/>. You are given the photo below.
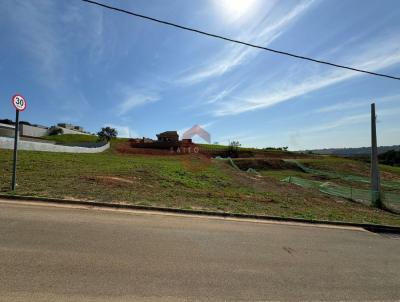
<point x="235" y="144"/>
<point x="233" y="149"/>
<point x="391" y="157"/>
<point x="7" y="121"/>
<point x="53" y="130"/>
<point x="107" y="133"/>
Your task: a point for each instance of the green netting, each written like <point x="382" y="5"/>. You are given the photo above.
<point x="304" y="182"/>
<point x="253" y="171"/>
<point x="392" y="197"/>
<point x="232" y="163"/>
<point x="390" y="200"/>
<point x="348" y="177"/>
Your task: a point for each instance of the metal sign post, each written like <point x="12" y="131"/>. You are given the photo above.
<point x="19" y="103"/>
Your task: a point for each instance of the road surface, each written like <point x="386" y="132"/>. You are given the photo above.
<point x="50" y="253"/>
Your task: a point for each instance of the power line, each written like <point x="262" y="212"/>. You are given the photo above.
<point x="239" y="42"/>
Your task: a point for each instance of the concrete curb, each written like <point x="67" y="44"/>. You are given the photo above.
<point x="370" y="227"/>
<point x="8" y="143"/>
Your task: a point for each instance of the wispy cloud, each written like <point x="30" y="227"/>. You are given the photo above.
<point x="350" y="120"/>
<point x="123" y="131"/>
<point x="37" y="36"/>
<point x="132" y="98"/>
<point x="221" y="95"/>
<point x="346" y="121"/>
<point x="372" y="58"/>
<point x="340" y="107"/>
<point x="47" y="36"/>
<point x="273" y="24"/>
<point x="357" y="103"/>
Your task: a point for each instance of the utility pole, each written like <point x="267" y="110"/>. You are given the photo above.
<point x="375" y="177"/>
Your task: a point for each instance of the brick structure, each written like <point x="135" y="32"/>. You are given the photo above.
<point x="168" y="136"/>
<point x="168" y="140"/>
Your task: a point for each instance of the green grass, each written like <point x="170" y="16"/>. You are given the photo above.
<point x="174" y="181"/>
<point x="216" y="149"/>
<point x="350" y="167"/>
<point x="151" y="179"/>
<point x="223" y="147"/>
<point x="71" y="138"/>
<point x="66" y="139"/>
<point x="390" y="169"/>
<point x="281" y="174"/>
<point x="344" y="176"/>
<point x="337" y="164"/>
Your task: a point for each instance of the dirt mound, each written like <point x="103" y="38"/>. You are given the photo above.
<point x="266" y="154"/>
<point x="191" y="152"/>
<point x="126" y="148"/>
<point x="264" y="164"/>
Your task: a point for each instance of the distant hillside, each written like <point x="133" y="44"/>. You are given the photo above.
<point x="354" y="151"/>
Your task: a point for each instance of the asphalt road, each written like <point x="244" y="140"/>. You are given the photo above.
<point x="52" y="253"/>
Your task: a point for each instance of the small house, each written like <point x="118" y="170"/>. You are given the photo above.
<point x="168" y="136"/>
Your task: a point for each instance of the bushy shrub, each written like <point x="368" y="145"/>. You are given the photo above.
<point x="55" y="131"/>
<point x="107" y="133"/>
<point x="391" y="157"/>
<point x="233" y="149"/>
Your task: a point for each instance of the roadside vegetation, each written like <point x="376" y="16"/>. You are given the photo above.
<point x="181" y="181"/>
<point x="71" y="138"/>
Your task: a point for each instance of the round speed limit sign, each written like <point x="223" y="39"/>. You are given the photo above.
<point x="19" y="102"/>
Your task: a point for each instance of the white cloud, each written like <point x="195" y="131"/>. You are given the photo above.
<point x="351" y="120"/>
<point x="357" y="103"/>
<point x="37" y="36"/>
<point x="123" y="131"/>
<point x="244" y="137"/>
<point x="221" y="95"/>
<point x="233" y="55"/>
<point x="133" y="99"/>
<point x="340" y="107"/>
<point x="346" y="121"/>
<point x="368" y="57"/>
<point x="388" y="98"/>
<point x="234" y="11"/>
<point x="343" y="133"/>
<point x="47" y="36"/>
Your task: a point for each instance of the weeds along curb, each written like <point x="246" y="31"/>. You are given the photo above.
<point x="370" y="227"/>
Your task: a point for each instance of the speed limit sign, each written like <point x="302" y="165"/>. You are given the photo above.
<point x="19" y="102"/>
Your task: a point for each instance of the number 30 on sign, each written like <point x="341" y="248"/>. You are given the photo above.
<point x="19" y="102"/>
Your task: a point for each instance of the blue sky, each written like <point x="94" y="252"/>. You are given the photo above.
<point x="85" y="65"/>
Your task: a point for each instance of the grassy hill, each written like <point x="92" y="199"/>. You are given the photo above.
<point x="76" y="139"/>
<point x="362" y="151"/>
<point x="71" y="138"/>
<point x="181" y="181"/>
